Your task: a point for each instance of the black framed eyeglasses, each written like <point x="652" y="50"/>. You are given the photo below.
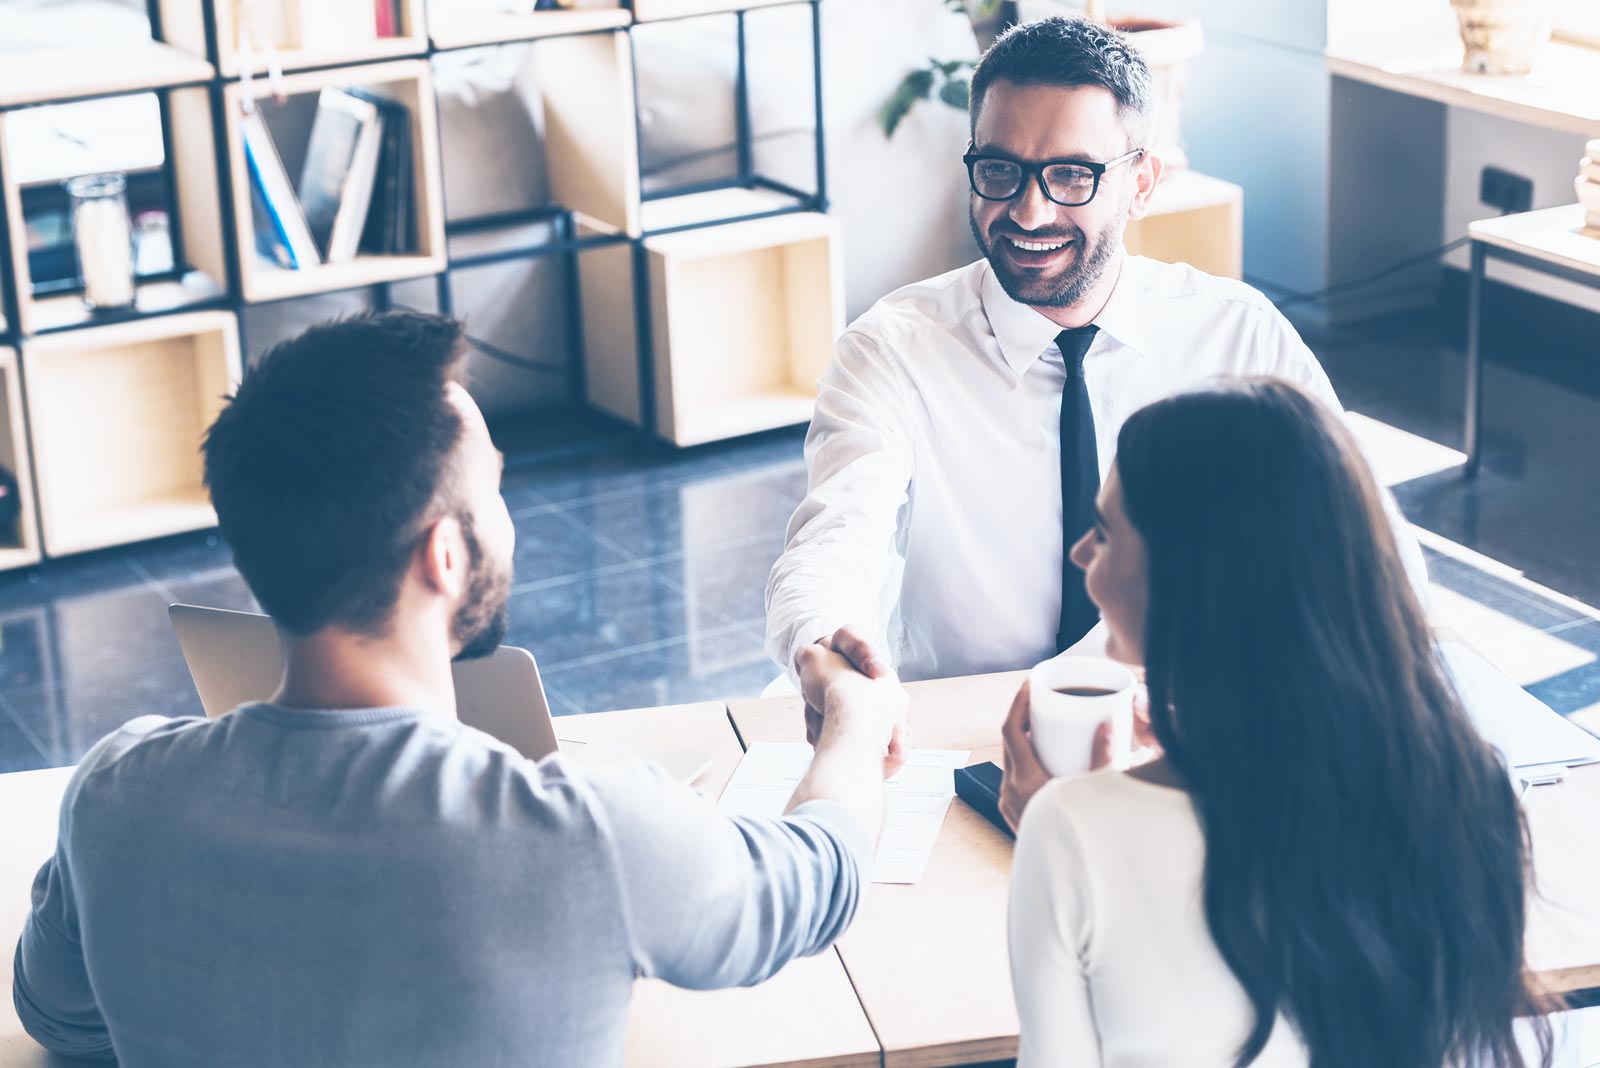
<point x="1071" y="183"/>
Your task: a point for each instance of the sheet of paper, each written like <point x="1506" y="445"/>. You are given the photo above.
<point x="916" y="800"/>
<point x="1527" y="731"/>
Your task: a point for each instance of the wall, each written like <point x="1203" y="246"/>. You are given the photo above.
<point x="1549" y="157"/>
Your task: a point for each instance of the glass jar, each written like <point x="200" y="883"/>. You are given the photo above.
<point x="102" y="233"/>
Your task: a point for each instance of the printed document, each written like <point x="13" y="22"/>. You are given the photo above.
<point x="916" y="800"/>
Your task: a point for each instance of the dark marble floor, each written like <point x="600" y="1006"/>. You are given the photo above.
<point x="640" y="571"/>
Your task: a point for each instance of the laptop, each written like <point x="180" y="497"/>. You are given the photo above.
<point x="234" y="658"/>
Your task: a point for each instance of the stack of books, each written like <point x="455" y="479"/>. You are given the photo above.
<point x="315" y="25"/>
<point x="1589" y="185"/>
<point x="354" y="195"/>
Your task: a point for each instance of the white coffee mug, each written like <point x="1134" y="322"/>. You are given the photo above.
<point x="1064" y="723"/>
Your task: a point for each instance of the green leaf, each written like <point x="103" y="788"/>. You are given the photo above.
<point x="915" y="86"/>
<point x="954" y="93"/>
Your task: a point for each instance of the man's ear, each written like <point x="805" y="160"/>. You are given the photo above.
<point x="1146" y="173"/>
<point x="442" y="557"/>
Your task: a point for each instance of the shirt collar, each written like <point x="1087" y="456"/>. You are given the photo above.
<point x="1023" y="333"/>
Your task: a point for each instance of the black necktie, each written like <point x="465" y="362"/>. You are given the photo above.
<point x="1080" y="481"/>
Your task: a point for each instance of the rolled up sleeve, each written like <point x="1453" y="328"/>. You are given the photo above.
<point x="715" y="901"/>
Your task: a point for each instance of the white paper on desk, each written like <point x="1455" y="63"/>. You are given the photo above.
<point x="1529" y="733"/>
<point x="915" y="802"/>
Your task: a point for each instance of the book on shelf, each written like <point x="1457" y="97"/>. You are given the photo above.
<point x="341" y="168"/>
<point x="1590" y="169"/>
<point x="386" y="15"/>
<point x="286" y="238"/>
<point x="391" y="218"/>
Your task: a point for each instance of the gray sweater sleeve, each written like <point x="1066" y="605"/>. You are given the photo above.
<point x="713" y="900"/>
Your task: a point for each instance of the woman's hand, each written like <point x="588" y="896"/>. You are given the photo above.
<point x="1024" y="774"/>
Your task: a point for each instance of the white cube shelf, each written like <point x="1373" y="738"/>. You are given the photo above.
<point x="454" y="25"/>
<point x="183" y="22"/>
<point x="408" y="82"/>
<point x="742" y="320"/>
<point x="195" y="174"/>
<point x="657" y="10"/>
<point x="1193" y="219"/>
<point x="117" y="415"/>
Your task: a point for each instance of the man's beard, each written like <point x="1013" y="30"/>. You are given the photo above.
<point x="1063" y="290"/>
<point x="481" y="620"/>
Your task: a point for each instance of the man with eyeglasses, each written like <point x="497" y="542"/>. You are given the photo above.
<point x="965" y="423"/>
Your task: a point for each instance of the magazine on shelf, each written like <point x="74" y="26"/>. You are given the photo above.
<point x="340" y="169"/>
<point x="390" y="227"/>
<point x="280" y="208"/>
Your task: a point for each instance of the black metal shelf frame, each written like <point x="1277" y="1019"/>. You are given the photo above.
<point x="565" y="241"/>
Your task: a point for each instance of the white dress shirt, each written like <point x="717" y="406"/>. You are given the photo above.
<point x="1112" y="962"/>
<point x="933" y="515"/>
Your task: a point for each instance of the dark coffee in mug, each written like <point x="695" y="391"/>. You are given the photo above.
<point x="1084" y="691"/>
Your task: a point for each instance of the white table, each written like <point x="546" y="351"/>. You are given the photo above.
<point x="1554" y="241"/>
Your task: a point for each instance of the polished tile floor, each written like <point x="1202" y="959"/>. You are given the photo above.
<point x="640" y="571"/>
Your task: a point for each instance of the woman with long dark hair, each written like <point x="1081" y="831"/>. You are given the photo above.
<point x="1327" y="865"/>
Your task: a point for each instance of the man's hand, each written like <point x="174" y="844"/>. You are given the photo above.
<point x="1024" y="774"/>
<point x="837" y="694"/>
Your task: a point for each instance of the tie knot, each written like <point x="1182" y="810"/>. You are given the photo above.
<point x="1074" y="345"/>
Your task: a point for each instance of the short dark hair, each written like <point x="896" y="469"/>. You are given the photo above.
<point x="337" y="448"/>
<point x="1069" y="53"/>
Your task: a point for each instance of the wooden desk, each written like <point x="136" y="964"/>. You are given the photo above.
<point x="807" y="1016"/>
<point x="929" y="961"/>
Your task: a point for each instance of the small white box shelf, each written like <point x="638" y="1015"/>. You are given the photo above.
<point x="19" y="544"/>
<point x="183" y="24"/>
<point x="1193" y="219"/>
<point x="408" y="82"/>
<point x="117" y="414"/>
<point x="195" y="174"/>
<point x="51" y="75"/>
<point x="452" y="27"/>
<point x="743" y="320"/>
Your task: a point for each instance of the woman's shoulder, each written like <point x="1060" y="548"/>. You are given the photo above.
<point x="1107" y="804"/>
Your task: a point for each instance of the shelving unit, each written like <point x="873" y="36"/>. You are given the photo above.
<point x="54" y="76"/>
<point x="697" y="313"/>
<point x="19" y="543"/>
<point x="195" y="185"/>
<point x="451" y="29"/>
<point x="660" y="10"/>
<point x="1193" y="219"/>
<point x="408" y="82"/>
<point x="117" y="415"/>
<point x="743" y="317"/>
<point x="183" y="23"/>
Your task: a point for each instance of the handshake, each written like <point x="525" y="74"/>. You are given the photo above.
<point x="853" y="698"/>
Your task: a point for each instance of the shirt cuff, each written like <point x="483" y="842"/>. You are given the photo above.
<point x="807" y="633"/>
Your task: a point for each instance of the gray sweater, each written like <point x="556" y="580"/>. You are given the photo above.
<point x="383" y="887"/>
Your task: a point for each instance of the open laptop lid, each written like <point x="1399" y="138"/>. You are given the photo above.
<point x="235" y="658"/>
